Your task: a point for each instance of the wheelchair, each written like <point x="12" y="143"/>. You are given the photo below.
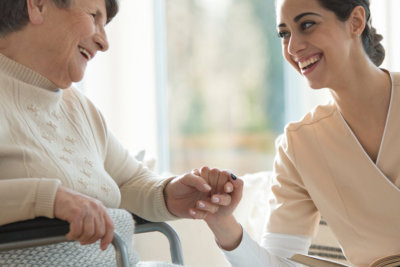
<point x="43" y="231"/>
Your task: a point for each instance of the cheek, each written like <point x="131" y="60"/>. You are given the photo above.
<point x="83" y="27"/>
<point x="89" y="29"/>
<point x="289" y="59"/>
<point x="285" y="53"/>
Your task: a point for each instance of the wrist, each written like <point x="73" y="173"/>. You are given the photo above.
<point x="167" y="194"/>
<point x="227" y="231"/>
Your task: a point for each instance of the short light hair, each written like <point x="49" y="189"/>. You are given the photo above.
<point x="14" y="13"/>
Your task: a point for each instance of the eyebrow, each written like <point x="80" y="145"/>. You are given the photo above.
<point x="101" y="15"/>
<point x="298" y="17"/>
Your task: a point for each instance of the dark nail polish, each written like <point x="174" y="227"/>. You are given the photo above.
<point x="233" y="176"/>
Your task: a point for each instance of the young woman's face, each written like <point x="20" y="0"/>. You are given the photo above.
<point x="314" y="41"/>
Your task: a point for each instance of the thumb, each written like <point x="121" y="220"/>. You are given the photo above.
<point x="196" y="172"/>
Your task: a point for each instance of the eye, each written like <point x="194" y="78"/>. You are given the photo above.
<point x="283" y="34"/>
<point x="307" y="24"/>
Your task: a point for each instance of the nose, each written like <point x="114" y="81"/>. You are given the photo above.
<point x="296" y="44"/>
<point x="100" y="39"/>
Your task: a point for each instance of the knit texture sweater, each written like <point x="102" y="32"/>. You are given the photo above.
<point x="51" y="137"/>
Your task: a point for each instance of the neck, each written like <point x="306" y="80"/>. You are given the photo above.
<point x="25" y="48"/>
<point x="365" y="91"/>
<point x="19" y="47"/>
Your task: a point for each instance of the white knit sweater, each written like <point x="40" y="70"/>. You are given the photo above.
<point x="49" y="137"/>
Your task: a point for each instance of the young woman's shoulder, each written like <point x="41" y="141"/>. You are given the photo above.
<point x="316" y="115"/>
<point x="395" y="78"/>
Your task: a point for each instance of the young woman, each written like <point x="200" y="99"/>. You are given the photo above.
<point x="341" y="161"/>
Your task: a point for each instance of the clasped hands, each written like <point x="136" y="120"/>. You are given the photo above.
<point x="209" y="194"/>
<point x="206" y="194"/>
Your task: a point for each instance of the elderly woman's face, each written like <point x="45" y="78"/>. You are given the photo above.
<point x="75" y="35"/>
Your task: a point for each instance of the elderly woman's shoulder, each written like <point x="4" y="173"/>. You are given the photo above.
<point x="76" y="98"/>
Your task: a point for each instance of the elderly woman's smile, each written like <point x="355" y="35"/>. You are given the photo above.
<point x="81" y="37"/>
<point x="85" y="53"/>
<point x="61" y="38"/>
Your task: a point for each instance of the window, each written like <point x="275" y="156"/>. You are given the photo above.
<point x="385" y="18"/>
<point x="225" y="84"/>
<point x="203" y="82"/>
<point x="122" y="81"/>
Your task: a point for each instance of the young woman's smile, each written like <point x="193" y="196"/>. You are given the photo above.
<point x="309" y="63"/>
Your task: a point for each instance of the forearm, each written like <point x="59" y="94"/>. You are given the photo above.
<point x="227" y="231"/>
<point x="275" y="251"/>
<point x="144" y="196"/>
<point x="26" y="198"/>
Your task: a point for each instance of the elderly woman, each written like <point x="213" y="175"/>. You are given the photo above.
<point x="58" y="158"/>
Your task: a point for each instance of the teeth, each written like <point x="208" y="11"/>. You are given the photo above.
<point x="308" y="62"/>
<point x="84" y="51"/>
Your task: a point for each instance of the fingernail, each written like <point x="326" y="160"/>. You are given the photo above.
<point x="192" y="212"/>
<point x="233" y="176"/>
<point x="202" y="205"/>
<point x="215" y="199"/>
<point x="229" y="189"/>
<point x="207" y="187"/>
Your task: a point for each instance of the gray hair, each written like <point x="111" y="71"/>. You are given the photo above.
<point x="14" y="13"/>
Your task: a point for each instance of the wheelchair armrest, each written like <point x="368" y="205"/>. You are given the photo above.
<point x="44" y="231"/>
<point x="139" y="220"/>
<point x="40" y="227"/>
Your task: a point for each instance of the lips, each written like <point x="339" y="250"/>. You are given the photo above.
<point x="85" y="53"/>
<point x="307" y="63"/>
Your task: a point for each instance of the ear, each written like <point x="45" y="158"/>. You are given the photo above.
<point x="36" y="11"/>
<point x="357" y="20"/>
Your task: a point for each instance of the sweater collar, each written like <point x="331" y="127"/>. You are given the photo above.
<point x="24" y="74"/>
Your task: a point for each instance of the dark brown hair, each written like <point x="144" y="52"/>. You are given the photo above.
<point x="370" y="38"/>
<point x="14" y="13"/>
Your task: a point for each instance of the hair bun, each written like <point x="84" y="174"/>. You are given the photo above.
<point x="376" y="38"/>
<point x="375" y="51"/>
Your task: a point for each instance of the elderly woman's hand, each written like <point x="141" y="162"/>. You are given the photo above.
<point x="88" y="218"/>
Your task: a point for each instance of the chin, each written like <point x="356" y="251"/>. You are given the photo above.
<point x="67" y="84"/>
<point x="63" y="84"/>
<point x="315" y="85"/>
